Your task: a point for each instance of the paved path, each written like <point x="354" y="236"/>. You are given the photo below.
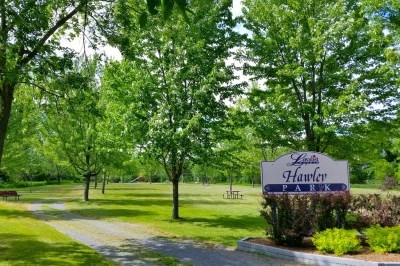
<point x="130" y="244"/>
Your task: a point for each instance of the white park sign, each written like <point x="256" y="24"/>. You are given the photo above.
<point x="304" y="172"/>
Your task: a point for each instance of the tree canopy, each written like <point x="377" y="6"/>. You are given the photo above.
<point x="322" y="67"/>
<point x="324" y="76"/>
<point x="175" y="82"/>
<point x="30" y="46"/>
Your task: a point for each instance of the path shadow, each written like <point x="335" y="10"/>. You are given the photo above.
<point x="134" y="253"/>
<point x="194" y="253"/>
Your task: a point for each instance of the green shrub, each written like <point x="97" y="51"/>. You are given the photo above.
<point x="383" y="239"/>
<point x="286" y="218"/>
<point x="290" y="218"/>
<point x="371" y="209"/>
<point x="337" y="241"/>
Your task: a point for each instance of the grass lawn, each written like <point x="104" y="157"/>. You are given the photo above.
<point x="26" y="241"/>
<point x="206" y="216"/>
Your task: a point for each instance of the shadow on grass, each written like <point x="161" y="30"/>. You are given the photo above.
<point x="18" y="249"/>
<point x="140" y="195"/>
<point x="161" y="200"/>
<point x="223" y="202"/>
<point x="14" y="213"/>
<point x="90" y="214"/>
<point x="247" y="222"/>
<point x="131" y="187"/>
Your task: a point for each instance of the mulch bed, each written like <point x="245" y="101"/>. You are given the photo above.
<point x="308" y="247"/>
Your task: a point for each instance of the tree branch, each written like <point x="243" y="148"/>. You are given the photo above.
<point x="41" y="88"/>
<point x="23" y="61"/>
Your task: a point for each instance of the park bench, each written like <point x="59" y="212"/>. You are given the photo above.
<point x="232" y="194"/>
<point x="10" y="193"/>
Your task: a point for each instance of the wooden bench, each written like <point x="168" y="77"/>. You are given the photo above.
<point x="232" y="194"/>
<point x="10" y="193"/>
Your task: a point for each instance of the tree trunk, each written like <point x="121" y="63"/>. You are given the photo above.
<point x="175" y="197"/>
<point x="95" y="182"/>
<point x="310" y="138"/>
<point x="6" y="100"/>
<point x="103" y="185"/>
<point x="87" y="175"/>
<point x="87" y="184"/>
<point x="58" y="175"/>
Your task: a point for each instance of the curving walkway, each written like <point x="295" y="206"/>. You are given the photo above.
<point x="130" y="244"/>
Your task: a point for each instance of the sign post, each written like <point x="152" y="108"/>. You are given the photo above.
<point x="304" y="172"/>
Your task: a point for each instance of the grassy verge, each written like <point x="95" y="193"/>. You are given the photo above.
<point x="206" y="216"/>
<point x="367" y="186"/>
<point x="26" y="241"/>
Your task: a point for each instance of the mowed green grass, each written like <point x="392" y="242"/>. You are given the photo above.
<point x="25" y="240"/>
<point x="206" y="216"/>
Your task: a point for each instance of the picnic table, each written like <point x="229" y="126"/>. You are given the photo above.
<point x="232" y="194"/>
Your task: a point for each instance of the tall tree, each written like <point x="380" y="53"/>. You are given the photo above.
<point x="76" y="105"/>
<point x="22" y="153"/>
<point x="323" y="66"/>
<point x="30" y="36"/>
<point x="175" y="82"/>
<point x="29" y="42"/>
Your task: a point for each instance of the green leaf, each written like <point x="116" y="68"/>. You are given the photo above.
<point x="143" y="19"/>
<point x="168" y="6"/>
<point x="182" y="4"/>
<point x="152" y="6"/>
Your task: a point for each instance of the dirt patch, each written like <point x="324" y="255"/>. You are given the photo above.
<point x="308" y="247"/>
